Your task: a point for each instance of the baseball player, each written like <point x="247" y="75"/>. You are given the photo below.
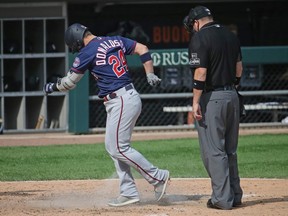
<point x="105" y="58"/>
<point x="215" y="56"/>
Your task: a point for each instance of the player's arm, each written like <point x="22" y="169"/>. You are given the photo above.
<point x="145" y="57"/>
<point x="147" y="62"/>
<point x="239" y="69"/>
<point x="64" y="84"/>
<point x="198" y="87"/>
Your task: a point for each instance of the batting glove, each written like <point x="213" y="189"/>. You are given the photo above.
<point x="48" y="88"/>
<point x="152" y="79"/>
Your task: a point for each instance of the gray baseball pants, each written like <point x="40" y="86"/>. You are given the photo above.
<point x="122" y="114"/>
<point x="218" y="138"/>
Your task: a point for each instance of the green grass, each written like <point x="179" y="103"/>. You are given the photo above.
<point x="263" y="156"/>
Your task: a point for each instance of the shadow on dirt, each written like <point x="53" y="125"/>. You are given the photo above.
<point x="264" y="201"/>
<point x="20" y="193"/>
<point x="171" y="199"/>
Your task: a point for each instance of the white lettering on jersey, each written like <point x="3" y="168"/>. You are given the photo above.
<point x="194" y="60"/>
<point x="100" y="49"/>
<point x="103" y="49"/>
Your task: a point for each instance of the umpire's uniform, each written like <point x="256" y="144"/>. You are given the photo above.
<point x="214" y="47"/>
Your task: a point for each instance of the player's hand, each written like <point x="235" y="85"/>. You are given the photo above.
<point x="152" y="79"/>
<point x="48" y="88"/>
<point x="196" y="110"/>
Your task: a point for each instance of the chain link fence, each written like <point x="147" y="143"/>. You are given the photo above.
<point x="264" y="87"/>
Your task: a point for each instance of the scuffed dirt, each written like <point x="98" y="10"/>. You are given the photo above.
<point x="184" y="197"/>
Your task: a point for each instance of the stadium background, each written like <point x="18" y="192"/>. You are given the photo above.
<point x="256" y="22"/>
<point x="161" y="29"/>
<point x="158" y="24"/>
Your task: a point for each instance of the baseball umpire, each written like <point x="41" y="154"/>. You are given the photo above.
<point x="105" y="58"/>
<point x="215" y="57"/>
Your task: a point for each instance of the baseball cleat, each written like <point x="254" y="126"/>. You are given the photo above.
<point x="214" y="206"/>
<point x="211" y="205"/>
<point x="237" y="204"/>
<point x="161" y="188"/>
<point x="122" y="201"/>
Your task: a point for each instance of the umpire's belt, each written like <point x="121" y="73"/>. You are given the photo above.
<point x="220" y="88"/>
<point x="119" y="92"/>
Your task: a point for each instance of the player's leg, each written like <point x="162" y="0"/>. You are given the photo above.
<point x="121" y="127"/>
<point x="127" y="183"/>
<point x="131" y="110"/>
<point x="128" y="190"/>
<point x="231" y="147"/>
<point x="211" y="131"/>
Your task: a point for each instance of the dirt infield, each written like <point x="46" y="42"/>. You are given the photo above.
<point x="184" y="197"/>
<point x="265" y="197"/>
<point x="66" y="138"/>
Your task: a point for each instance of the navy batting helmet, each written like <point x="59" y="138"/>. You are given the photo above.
<point x="74" y="36"/>
<point x="195" y="14"/>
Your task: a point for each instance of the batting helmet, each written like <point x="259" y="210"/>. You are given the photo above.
<point x="74" y="37"/>
<point x="195" y="14"/>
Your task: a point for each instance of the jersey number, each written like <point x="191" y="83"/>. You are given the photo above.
<point x="119" y="63"/>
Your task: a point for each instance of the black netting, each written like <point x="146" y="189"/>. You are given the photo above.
<point x="178" y="80"/>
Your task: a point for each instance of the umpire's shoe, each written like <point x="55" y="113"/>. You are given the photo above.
<point x="123" y="201"/>
<point x="161" y="187"/>
<point x="214" y="206"/>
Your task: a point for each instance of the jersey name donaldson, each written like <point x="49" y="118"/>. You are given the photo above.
<point x="105" y="58"/>
<point x="103" y="49"/>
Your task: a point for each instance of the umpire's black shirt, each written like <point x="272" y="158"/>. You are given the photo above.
<point x="218" y="49"/>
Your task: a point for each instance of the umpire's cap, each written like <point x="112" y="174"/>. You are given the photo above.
<point x="198" y="13"/>
<point x="74" y="36"/>
<point x="195" y="13"/>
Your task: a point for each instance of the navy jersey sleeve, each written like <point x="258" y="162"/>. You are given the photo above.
<point x="82" y="62"/>
<point x="128" y="45"/>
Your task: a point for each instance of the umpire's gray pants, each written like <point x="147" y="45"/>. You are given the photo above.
<point x="218" y="138"/>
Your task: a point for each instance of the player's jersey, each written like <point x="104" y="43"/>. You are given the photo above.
<point x="105" y="58"/>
